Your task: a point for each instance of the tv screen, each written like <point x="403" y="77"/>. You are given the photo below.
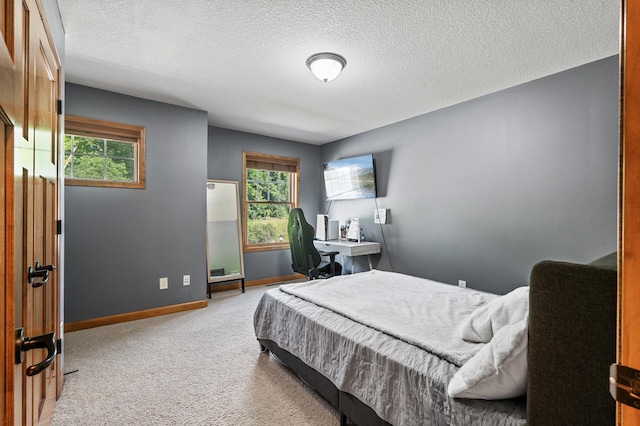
<point x="350" y="178"/>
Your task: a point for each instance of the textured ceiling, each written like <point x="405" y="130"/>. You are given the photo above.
<point x="243" y="61"/>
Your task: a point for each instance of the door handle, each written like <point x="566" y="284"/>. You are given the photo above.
<point x="24" y="344"/>
<point x="624" y="385"/>
<point x="40" y="271"/>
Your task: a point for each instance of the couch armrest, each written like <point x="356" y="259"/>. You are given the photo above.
<point x="572" y="342"/>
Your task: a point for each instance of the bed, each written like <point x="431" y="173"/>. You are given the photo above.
<point x="364" y="344"/>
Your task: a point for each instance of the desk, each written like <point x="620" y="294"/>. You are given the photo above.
<point x="349" y="248"/>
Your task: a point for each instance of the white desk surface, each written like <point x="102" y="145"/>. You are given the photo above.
<point x="348" y="248"/>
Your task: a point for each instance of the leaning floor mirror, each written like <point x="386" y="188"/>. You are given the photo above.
<point x="224" y="251"/>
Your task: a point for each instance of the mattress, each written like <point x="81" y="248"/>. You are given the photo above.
<point x="404" y="383"/>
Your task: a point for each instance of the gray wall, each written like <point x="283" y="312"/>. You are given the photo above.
<point x="119" y="242"/>
<point x="225" y="162"/>
<point x="483" y="190"/>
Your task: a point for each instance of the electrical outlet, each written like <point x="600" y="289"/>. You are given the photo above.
<point x="462" y="283"/>
<point x="380" y="216"/>
<point x="164" y="283"/>
<point x="186" y="280"/>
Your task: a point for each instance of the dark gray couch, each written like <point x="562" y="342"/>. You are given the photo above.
<point x="572" y="342"/>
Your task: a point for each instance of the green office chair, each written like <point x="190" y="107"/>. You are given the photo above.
<point x="306" y="258"/>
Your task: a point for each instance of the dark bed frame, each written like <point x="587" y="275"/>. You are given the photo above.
<point x="347" y="405"/>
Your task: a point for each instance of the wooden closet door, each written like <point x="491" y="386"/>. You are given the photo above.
<point x="629" y="270"/>
<point x="10" y="123"/>
<point x="29" y="76"/>
<point x="6" y="292"/>
<point x="42" y="317"/>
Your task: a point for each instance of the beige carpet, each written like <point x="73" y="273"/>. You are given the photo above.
<point x="200" y="367"/>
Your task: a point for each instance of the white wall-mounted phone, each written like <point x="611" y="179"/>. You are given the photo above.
<point x="380" y="216"/>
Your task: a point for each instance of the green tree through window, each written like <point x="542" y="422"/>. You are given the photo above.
<point x="270" y="184"/>
<point x="104" y="159"/>
<point x="102" y="153"/>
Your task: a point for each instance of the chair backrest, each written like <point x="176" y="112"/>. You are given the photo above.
<point x="304" y="255"/>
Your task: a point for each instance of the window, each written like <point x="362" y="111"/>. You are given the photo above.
<point x="102" y="153"/>
<point x="270" y="185"/>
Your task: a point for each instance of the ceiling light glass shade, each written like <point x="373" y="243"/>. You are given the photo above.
<point x="326" y="66"/>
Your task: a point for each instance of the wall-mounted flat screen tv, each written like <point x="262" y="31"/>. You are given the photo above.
<point x="350" y="178"/>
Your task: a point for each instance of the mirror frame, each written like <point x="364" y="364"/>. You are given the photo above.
<point x="233" y="277"/>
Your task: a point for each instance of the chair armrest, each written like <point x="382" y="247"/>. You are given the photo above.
<point x="332" y="259"/>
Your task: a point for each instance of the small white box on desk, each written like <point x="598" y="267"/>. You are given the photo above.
<point x="322" y="224"/>
<point x="333" y="232"/>
<point x="327" y="229"/>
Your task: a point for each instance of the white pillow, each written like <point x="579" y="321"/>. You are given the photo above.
<point x="486" y="320"/>
<point x="498" y="370"/>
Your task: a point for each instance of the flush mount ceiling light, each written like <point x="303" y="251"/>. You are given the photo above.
<point x="326" y="66"/>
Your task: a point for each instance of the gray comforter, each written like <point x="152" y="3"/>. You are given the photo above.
<point x="402" y="382"/>
<point x="422" y="312"/>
